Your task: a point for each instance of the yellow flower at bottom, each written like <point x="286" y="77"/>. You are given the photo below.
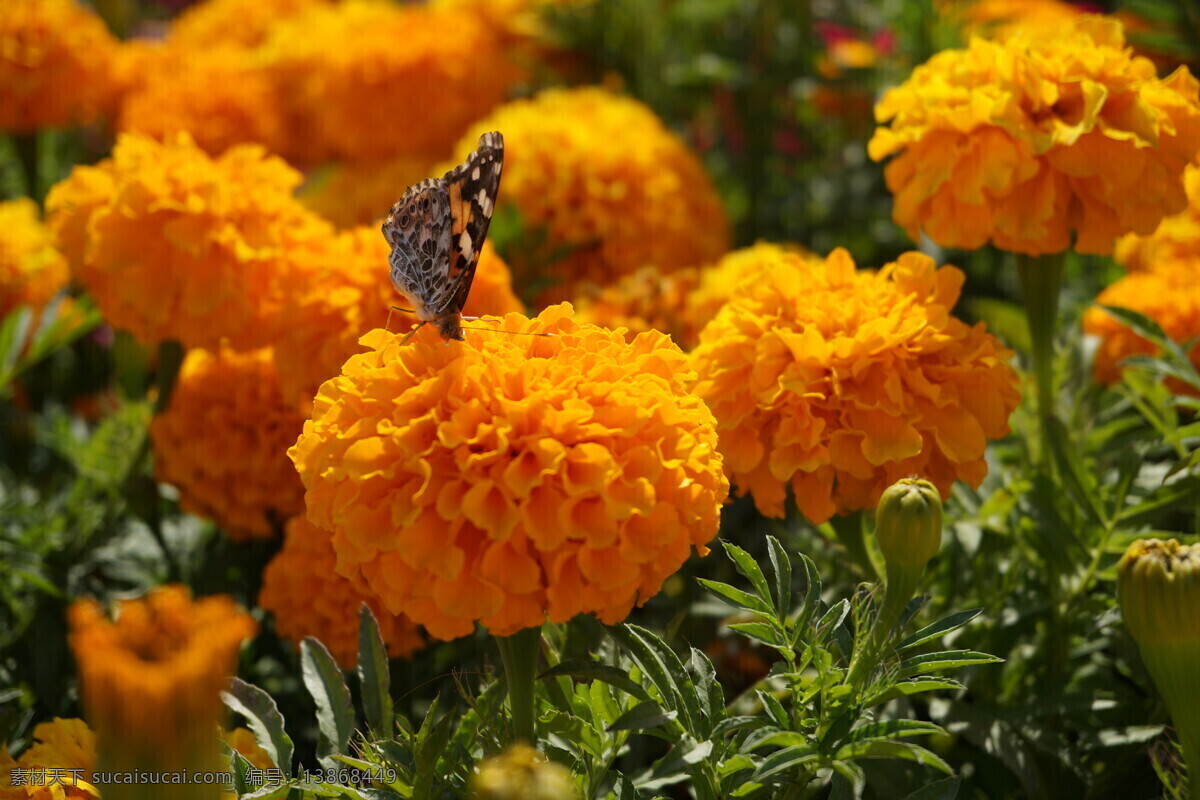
<point x="512" y="477"/>
<point x="32" y="270"/>
<point x="308" y="598"/>
<point x="222" y="441"/>
<point x="522" y="773"/>
<point x="837" y="383"/>
<point x="151" y="679"/>
<point x="66" y="750"/>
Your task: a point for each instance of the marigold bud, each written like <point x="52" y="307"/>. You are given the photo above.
<point x="1158" y="586"/>
<point x="522" y="773"/>
<point x="908" y="524"/>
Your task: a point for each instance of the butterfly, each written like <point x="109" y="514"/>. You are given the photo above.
<point x="436" y="231"/>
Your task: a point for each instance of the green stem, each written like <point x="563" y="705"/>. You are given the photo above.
<point x="26" y="145"/>
<point x="864" y="661"/>
<point x="1041" y="279"/>
<point x="849" y="531"/>
<point x="519" y="653"/>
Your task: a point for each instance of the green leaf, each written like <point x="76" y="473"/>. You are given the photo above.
<point x="598" y="671"/>
<point x="708" y="689"/>
<point x="774" y="709"/>
<point x="737" y="597"/>
<point x="786" y="759"/>
<point x="941" y="789"/>
<point x="773" y="737"/>
<point x="430" y="744"/>
<point x="335" y="714"/>
<point x="948" y="659"/>
<point x="676" y="765"/>
<point x="848" y="782"/>
<point x="906" y="751"/>
<point x="1178" y="493"/>
<point x="644" y="715"/>
<point x="834" y="617"/>
<point x="263" y="719"/>
<point x="1078" y="481"/>
<point x="950" y="622"/>
<point x="781" y="576"/>
<point x="373" y="674"/>
<point x="664" y="669"/>
<point x="730" y="724"/>
<point x="748" y="567"/>
<point x="759" y="632"/>
<point x="240" y="768"/>
<point x="911" y="687"/>
<point x="812" y="596"/>
<point x="894" y="729"/>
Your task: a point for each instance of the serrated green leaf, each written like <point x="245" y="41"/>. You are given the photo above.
<point x="759" y="632"/>
<point x="661" y="666"/>
<point x="708" y="689"/>
<point x="774" y="737"/>
<point x="749" y="569"/>
<point x="948" y="659"/>
<point x="911" y="687"/>
<point x="781" y="576"/>
<point x="335" y="714"/>
<point x="786" y="759"/>
<point x="737" y="597"/>
<point x="948" y="623"/>
<point x="430" y="743"/>
<point x="774" y="709"/>
<point x="894" y="729"/>
<point x="263" y="719"/>
<point x="373" y="676"/>
<point x="906" y="751"/>
<point x="597" y="671"/>
<point x="644" y="715"/>
<point x="239" y="767"/>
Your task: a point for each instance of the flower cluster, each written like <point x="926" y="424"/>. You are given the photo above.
<point x="32" y="270"/>
<point x="614" y="209"/>
<point x="1176" y="239"/>
<point x="62" y="744"/>
<point x="308" y="598"/>
<point x="56" y="61"/>
<point x="343" y="291"/>
<point x="512" y="477"/>
<point x="1167" y="294"/>
<point x="151" y="679"/>
<point x="838" y="383"/>
<point x="1035" y="141"/>
<point x="239" y="476"/>
<point x="1002" y="19"/>
<point x="358" y="192"/>
<point x="233" y="23"/>
<point x="174" y="244"/>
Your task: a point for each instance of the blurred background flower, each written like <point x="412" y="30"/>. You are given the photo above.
<point x="32" y="270"/>
<point x="1176" y="239"/>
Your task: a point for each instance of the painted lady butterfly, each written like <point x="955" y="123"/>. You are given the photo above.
<point x="436" y="231"/>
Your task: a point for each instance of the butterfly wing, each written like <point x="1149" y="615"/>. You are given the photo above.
<point x="420" y="232"/>
<point x="471" y="188"/>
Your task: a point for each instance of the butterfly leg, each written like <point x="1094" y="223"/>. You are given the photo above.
<point x="411" y="333"/>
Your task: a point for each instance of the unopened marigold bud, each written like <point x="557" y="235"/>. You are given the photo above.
<point x="522" y="773"/>
<point x="908" y="524"/>
<point x="1158" y="586"/>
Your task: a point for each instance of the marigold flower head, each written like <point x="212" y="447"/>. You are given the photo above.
<point x="511" y="477"/>
<point x="175" y="244"/>
<point x="838" y="383"/>
<point x="62" y="744"/>
<point x="522" y="773"/>
<point x="999" y="20"/>
<point x="56" y="61"/>
<point x="222" y="442"/>
<point x="308" y="598"/>
<point x="151" y="678"/>
<point x="1176" y="239"/>
<point x="243" y="741"/>
<point x="644" y="300"/>
<point x="1032" y="141"/>
<point x="1168" y="294"/>
<point x="343" y="291"/>
<point x="405" y="87"/>
<point x="648" y="202"/>
<point x="242" y="24"/>
<point x="32" y="270"/>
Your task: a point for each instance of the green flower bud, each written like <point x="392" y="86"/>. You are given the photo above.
<point x="1158" y="586"/>
<point x="522" y="773"/>
<point x="908" y="524"/>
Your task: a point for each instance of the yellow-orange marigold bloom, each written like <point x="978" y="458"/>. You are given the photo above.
<point x="406" y="86"/>
<point x="1177" y="238"/>
<point x="243" y="24"/>
<point x="344" y="291"/>
<point x="308" y="598"/>
<point x="56" y="59"/>
<point x="1037" y="140"/>
<point x="510" y="478"/>
<point x="1168" y="294"/>
<point x="58" y="746"/>
<point x="1002" y="19"/>
<point x="838" y="383"/>
<point x="223" y="440"/>
<point x="151" y="678"/>
<point x="243" y="741"/>
<point x="353" y="193"/>
<point x="32" y="270"/>
<point x="648" y="202"/>
<point x="175" y="244"/>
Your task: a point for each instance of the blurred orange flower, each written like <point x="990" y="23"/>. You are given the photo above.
<point x="355" y="192"/>
<point x="1036" y="141"/>
<point x="308" y="598"/>
<point x="1168" y="294"/>
<point x="238" y="24"/>
<point x="343" y="291"/>
<point x="1002" y="19"/>
<point x="222" y="441"/>
<point x="243" y="741"/>
<point x="32" y="270"/>
<point x="56" y="65"/>
<point x="510" y="477"/>
<point x="837" y="383"/>
<point x="62" y="744"/>
<point x="151" y="678"/>
<point x="174" y="244"/>
<point x="615" y="209"/>
<point x="377" y="80"/>
<point x="1176" y="239"/>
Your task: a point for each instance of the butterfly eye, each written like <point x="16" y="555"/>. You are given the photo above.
<point x="404" y="220"/>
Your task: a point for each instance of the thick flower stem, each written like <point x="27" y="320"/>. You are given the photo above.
<point x="519" y="653"/>
<point x="1041" y="279"/>
<point x="894" y="601"/>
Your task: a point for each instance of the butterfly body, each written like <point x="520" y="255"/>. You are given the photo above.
<point x="436" y="231"/>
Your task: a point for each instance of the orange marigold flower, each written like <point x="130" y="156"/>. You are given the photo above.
<point x="222" y="441"/>
<point x="1168" y="294"/>
<point x="1035" y="140"/>
<point x="243" y="741"/>
<point x="56" y="60"/>
<point x="1176" y="239"/>
<point x="344" y="292"/>
<point x="243" y="24"/>
<point x="1002" y="19"/>
<point x="512" y="477"/>
<point x="354" y="192"/>
<point x="174" y="244"/>
<point x="405" y="88"/>
<point x="32" y="270"/>
<point x="648" y="202"/>
<point x="59" y="745"/>
<point x="838" y="383"/>
<point x="308" y="598"/>
<point x="151" y="678"/>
